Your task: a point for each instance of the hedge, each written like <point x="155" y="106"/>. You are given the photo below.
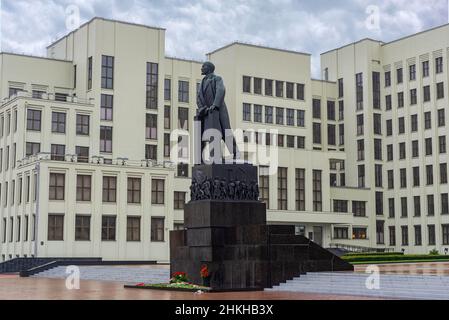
<point x="399" y="257"/>
<point x="356" y="254"/>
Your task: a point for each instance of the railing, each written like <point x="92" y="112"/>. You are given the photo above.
<point x="46" y="96"/>
<point x="354" y="248"/>
<point x="94" y="160"/>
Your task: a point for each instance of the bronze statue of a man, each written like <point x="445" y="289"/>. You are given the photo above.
<point x="212" y="111"/>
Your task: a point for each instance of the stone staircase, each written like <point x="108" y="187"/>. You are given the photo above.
<point x="117" y="274"/>
<point x="394" y="286"/>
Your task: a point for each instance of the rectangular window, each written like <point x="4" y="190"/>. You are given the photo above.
<point x="392" y="234"/>
<point x="403" y="178"/>
<point x="167" y="117"/>
<point x="431" y="234"/>
<point x="82" y="154"/>
<point x="378" y="175"/>
<point x="257" y="113"/>
<point x="107" y="104"/>
<point x="430" y="205"/>
<point x="167" y="89"/>
<point x="134" y="190"/>
<point x="359" y="233"/>
<point x="151" y="126"/>
<point x="439" y="65"/>
<point x="387" y="78"/>
<point x="106" y="139"/>
<point x="429" y="174"/>
<point x="257" y="86"/>
<point x="57" y="152"/>
<point x="150" y="152"/>
<point x="316" y="133"/>
<point x="107" y="72"/>
<point x="379" y="203"/>
<point x="58" y="122"/>
<point x="246" y="84"/>
<point x="300" y="91"/>
<point x="82" y="124"/>
<point x="402" y="151"/>
<point x="108" y="228"/>
<point x="290" y="117"/>
<point x="426" y="93"/>
<point x="425" y="69"/>
<point x="444" y="203"/>
<point x="157" y="191"/>
<point x="388" y="103"/>
<point x="404" y="207"/>
<point x="183" y="118"/>
<point x="341" y="110"/>
<point x="300" y="190"/>
<point x="32" y="148"/>
<point x="416" y="180"/>
<point x="133" y="229"/>
<point x="268" y="114"/>
<point x="246" y="112"/>
<point x="280" y="116"/>
<point x="445" y="229"/>
<point x="401" y="123"/>
<point x="417" y="206"/>
<point x="331" y="135"/>
<point x="83" y="187"/>
<point x="340" y="88"/>
<point x="341" y="233"/>
<point x="341" y="206"/>
<point x="412" y="72"/>
<point x="279" y="89"/>
<point x="331" y="110"/>
<point x="167" y="145"/>
<point x="413" y="97"/>
<point x="290" y="90"/>
<point x="360" y="125"/>
<point x="179" y="200"/>
<point x="390" y="152"/>
<point x="152" y="85"/>
<point x="376" y="90"/>
<point x="268" y="87"/>
<point x="414" y="122"/>
<point x="440" y="90"/>
<point x="359" y="208"/>
<point x="55" y="227"/>
<point x="282" y="188"/>
<point x="380" y="226"/>
<point x="399" y="75"/>
<point x="400" y="99"/>
<point x="34" y="120"/>
<point x="377" y="149"/>
<point x="316" y="108"/>
<point x="442" y="144"/>
<point x="157" y="229"/>
<point x="361" y="176"/>
<point x="82" y="228"/>
<point x="183" y="91"/>
<point x="391" y="208"/>
<point x="89" y="73"/>
<point x="109" y="189"/>
<point x="359" y="91"/>
<point x="443" y="173"/>
<point x="317" y="187"/>
<point x="264" y="185"/>
<point x="404" y="233"/>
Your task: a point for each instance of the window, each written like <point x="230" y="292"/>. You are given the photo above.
<point x="360" y="125"/>
<point x="379" y="203"/>
<point x="391" y="208"/>
<point x="316" y="104"/>
<point x="359" y="233"/>
<point x="359" y="208"/>
<point x="442" y="144"/>
<point x="440" y="90"/>
<point x="316" y="133"/>
<point x="107" y="104"/>
<point x="417" y="206"/>
<point x="58" y="122"/>
<point x="340" y="88"/>
<point x="109" y="189"/>
<point x="167" y="145"/>
<point x="257" y="85"/>
<point x="377" y="149"/>
<point x="402" y="151"/>
<point x="361" y="176"/>
<point x="431" y="234"/>
<point x="83" y="187"/>
<point x="37" y="94"/>
<point x="341" y="134"/>
<point x="388" y="103"/>
<point x="82" y="124"/>
<point x="413" y="97"/>
<point x="183" y="118"/>
<point x="108" y="227"/>
<point x="55" y="227"/>
<point x="268" y="87"/>
<point x="107" y="72"/>
<point x="444" y="203"/>
<point x="246" y="112"/>
<point x="445" y="229"/>
<point x="179" y="200"/>
<point x="301" y="142"/>
<point x="380" y="232"/>
<point x="340" y="206"/>
<point x="425" y="69"/>
<point x="157" y="229"/>
<point x="89" y="73"/>
<point x="389" y="128"/>
<point x="439" y="65"/>
<point x="32" y="148"/>
<point x="257" y="113"/>
<point x="387" y="78"/>
<point x="280" y="116"/>
<point x="392" y="233"/>
<point x="152" y="85"/>
<point x="400" y="99"/>
<point x="428" y="143"/>
<point x="441" y="118"/>
<point x="390" y="152"/>
<point x="300" y="91"/>
<point x="183" y="170"/>
<point x="412" y="72"/>
<point x="290" y="141"/>
<point x="404" y="233"/>
<point x="82" y="228"/>
<point x="279" y="89"/>
<point x="106" y="139"/>
<point x="246" y="84"/>
<point x="399" y="75"/>
<point x="82" y="154"/>
<point x="430" y="205"/>
<point x="377" y="123"/>
<point x="58" y="152"/>
<point x="341" y="110"/>
<point x="183" y="91"/>
<point x="416" y="180"/>
<point x="151" y="126"/>
<point x="443" y="173"/>
<point x="157" y="191"/>
<point x="376" y="90"/>
<point x="341" y="233"/>
<point x="403" y="178"/>
<point x="151" y="152"/>
<point x="414" y="122"/>
<point x="290" y="117"/>
<point x="134" y="188"/>
<point x="300" y="189"/>
<point x="290" y="90"/>
<point x="133" y="229"/>
<point x="331" y="134"/>
<point x="331" y="110"/>
<point x="61" y="97"/>
<point x="359" y="91"/>
<point x="282" y="188"/>
<point x="167" y="117"/>
<point x="268" y="114"/>
<point x="264" y="185"/>
<point x="404" y="207"/>
<point x="378" y="175"/>
<point x="427" y="120"/>
<point x="34" y="120"/>
<point x="401" y="125"/>
<point x="426" y="90"/>
<point x="317" y="195"/>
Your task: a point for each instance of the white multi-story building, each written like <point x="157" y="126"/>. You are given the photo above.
<point x="87" y="143"/>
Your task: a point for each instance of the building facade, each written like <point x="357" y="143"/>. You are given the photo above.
<point x="95" y="142"/>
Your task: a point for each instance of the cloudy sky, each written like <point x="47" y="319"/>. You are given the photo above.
<point x="195" y="27"/>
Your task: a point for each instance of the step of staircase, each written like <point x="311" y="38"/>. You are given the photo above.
<point x="391" y="285"/>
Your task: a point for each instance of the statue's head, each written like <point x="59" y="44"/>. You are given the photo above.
<point x="207" y="68"/>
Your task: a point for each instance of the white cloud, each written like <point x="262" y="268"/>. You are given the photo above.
<point x="197" y="27"/>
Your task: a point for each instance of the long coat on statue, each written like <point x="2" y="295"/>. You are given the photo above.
<point x="212" y="92"/>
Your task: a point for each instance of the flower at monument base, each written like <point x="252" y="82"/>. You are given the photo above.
<point x="204" y="271"/>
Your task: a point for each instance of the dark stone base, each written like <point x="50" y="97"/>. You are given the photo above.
<point x="241" y="251"/>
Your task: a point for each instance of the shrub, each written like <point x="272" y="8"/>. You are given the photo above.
<point x="434" y="252"/>
<point x="392" y="258"/>
<point x="178" y="277"/>
<point x="356" y="254"/>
